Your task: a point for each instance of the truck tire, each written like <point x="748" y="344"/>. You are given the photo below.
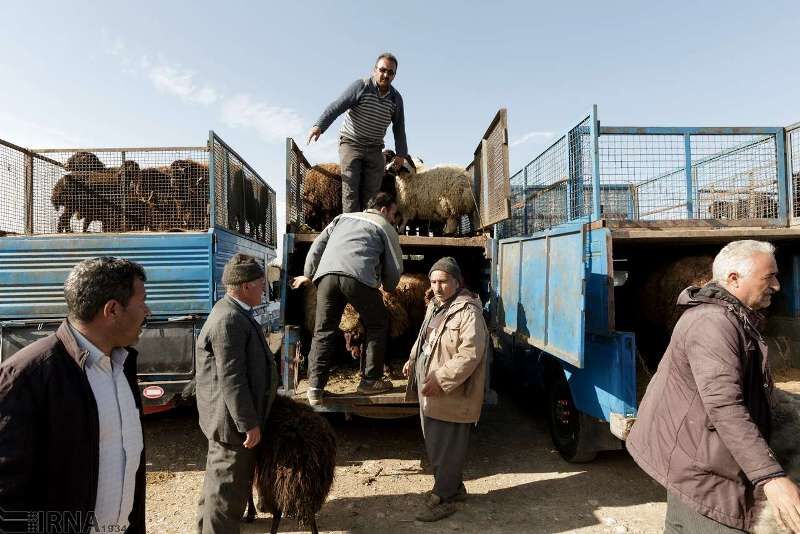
<point x="569" y="428"/>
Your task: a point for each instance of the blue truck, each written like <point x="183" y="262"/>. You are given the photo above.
<point x="472" y="248"/>
<point x="212" y="205"/>
<point x="582" y="266"/>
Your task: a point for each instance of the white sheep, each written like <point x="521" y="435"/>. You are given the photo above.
<point x="441" y="193"/>
<point x="785" y="445"/>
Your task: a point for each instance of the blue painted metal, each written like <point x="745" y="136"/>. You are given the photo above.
<point x="542" y="288"/>
<point x="692" y="130"/>
<point x="687" y="146"/>
<point x="783" y="186"/>
<point x="179" y="268"/>
<point x="607" y="382"/>
<point x="33" y="270"/>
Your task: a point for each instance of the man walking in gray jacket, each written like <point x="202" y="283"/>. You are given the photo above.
<point x="371" y="104"/>
<point x="236" y="384"/>
<point x="354" y="255"/>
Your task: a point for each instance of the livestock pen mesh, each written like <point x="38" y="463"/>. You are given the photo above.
<point x="296" y="167"/>
<point x="14" y="163"/>
<point x="793" y="150"/>
<point x="50" y="191"/>
<point x="680" y="175"/>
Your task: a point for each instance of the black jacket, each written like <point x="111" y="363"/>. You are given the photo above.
<point x="49" y="440"/>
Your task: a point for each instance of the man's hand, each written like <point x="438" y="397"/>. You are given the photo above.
<point x="784" y="496"/>
<point x="407" y="368"/>
<point x="299" y="281"/>
<point x="253" y="437"/>
<point x="431" y="387"/>
<point x="314" y="134"/>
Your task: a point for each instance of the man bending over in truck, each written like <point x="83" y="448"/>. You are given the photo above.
<point x="446" y="372"/>
<point x="371" y="104"/>
<point x="354" y="255"/>
<point x="704" y="421"/>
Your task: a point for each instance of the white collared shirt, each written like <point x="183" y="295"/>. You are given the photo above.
<point x="246" y="307"/>
<point x="120" y="432"/>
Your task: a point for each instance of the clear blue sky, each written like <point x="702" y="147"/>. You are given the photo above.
<point x="164" y="73"/>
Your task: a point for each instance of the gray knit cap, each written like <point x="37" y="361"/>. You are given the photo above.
<point x="241" y="268"/>
<point x="448" y="265"/>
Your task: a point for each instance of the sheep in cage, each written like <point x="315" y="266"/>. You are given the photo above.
<point x="322" y="195"/>
<point x="96" y="195"/>
<point x="441" y="193"/>
<point x="189" y="184"/>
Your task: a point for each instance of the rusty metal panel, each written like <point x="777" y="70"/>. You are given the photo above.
<point x="296" y="167"/>
<point x="491" y="173"/>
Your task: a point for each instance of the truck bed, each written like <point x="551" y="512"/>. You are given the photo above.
<point x="341" y="396"/>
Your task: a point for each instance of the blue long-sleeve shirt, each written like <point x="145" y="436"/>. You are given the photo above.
<point x="368" y="115"/>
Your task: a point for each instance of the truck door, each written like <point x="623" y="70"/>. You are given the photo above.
<point x="490" y="173"/>
<point x="544" y="281"/>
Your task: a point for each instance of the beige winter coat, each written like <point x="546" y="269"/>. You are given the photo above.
<point x="458" y="360"/>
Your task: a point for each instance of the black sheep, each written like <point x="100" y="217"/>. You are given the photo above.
<point x="296" y="462"/>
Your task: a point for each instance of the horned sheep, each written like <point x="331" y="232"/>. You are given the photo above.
<point x="441" y="193"/>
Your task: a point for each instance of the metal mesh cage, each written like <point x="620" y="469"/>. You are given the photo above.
<point x="120" y="190"/>
<point x="654" y="174"/>
<point x="793" y="150"/>
<point x="244" y="203"/>
<point x="296" y="168"/>
<point x="126" y="190"/>
<point x="13" y="164"/>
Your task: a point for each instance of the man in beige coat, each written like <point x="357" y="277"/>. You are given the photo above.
<point x="446" y="371"/>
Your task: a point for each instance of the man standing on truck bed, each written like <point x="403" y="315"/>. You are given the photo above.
<point x="371" y="104"/>
<point x="354" y="255"/>
<point x="71" y="445"/>
<point x="704" y="422"/>
<point x="236" y="384"/>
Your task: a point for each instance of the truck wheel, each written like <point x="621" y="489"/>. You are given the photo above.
<point x="568" y="426"/>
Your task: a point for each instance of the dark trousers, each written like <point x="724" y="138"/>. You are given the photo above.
<point x="446" y="444"/>
<point x="362" y="172"/>
<point x="682" y="519"/>
<point x="226" y="487"/>
<point x="334" y="291"/>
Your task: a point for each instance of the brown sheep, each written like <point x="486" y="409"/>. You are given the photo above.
<point x="236" y="202"/>
<point x="93" y="196"/>
<point x="83" y="162"/>
<point x="189" y="184"/>
<point x="296" y="463"/>
<point x="322" y="195"/>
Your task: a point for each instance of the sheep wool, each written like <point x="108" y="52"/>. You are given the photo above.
<point x="441" y="193"/>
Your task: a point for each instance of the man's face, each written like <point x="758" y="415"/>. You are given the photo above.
<point x="756" y="289"/>
<point x="252" y="292"/>
<point x="443" y="285"/>
<point x="384" y="73"/>
<point x="131" y="318"/>
<point x="390" y="213"/>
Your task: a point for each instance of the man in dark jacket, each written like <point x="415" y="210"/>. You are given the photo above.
<point x="371" y="104"/>
<point x="704" y="421"/>
<point x="353" y="256"/>
<point x="236" y="384"/>
<point x="71" y="446"/>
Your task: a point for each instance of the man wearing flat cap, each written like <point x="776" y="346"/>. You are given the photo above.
<point x="446" y="373"/>
<point x="236" y="384"/>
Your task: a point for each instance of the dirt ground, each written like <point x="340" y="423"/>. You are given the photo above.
<point x="516" y="481"/>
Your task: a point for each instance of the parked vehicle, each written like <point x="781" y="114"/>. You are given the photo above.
<point x="607" y="226"/>
<point x="180" y="212"/>
<point x="421" y="248"/>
